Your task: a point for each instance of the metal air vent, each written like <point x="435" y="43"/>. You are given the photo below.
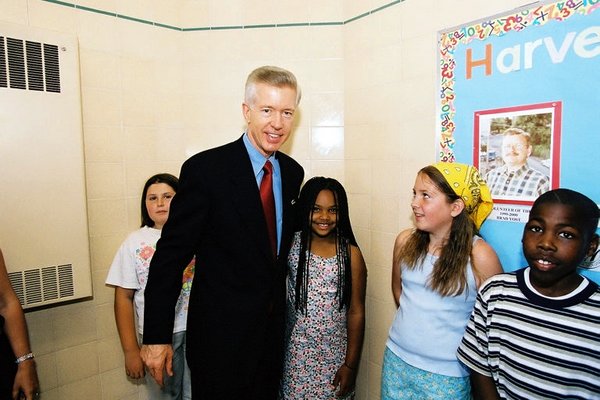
<point x="43" y="285"/>
<point x="29" y="65"/>
<point x="41" y="159"/>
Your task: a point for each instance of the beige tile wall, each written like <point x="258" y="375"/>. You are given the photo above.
<point x="153" y="96"/>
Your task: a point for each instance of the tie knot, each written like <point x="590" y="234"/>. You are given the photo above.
<point x="268" y="167"/>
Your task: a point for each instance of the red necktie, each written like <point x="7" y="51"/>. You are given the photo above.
<point x="268" y="203"/>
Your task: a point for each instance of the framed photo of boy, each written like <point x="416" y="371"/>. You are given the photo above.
<point x="517" y="150"/>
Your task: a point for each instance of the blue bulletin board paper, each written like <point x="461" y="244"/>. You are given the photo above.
<point x="541" y="61"/>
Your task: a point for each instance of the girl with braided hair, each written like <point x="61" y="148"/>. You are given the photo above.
<point x="326" y="298"/>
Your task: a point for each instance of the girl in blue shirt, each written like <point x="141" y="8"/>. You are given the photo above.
<point x="436" y="272"/>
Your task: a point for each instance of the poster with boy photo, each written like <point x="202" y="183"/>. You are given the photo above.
<point x="517" y="150"/>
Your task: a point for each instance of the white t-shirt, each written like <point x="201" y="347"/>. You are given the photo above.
<point x="130" y="269"/>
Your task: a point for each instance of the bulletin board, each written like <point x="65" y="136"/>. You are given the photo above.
<point x="536" y="68"/>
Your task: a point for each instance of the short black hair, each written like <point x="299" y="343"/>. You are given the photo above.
<point x="168" y="179"/>
<point x="584" y="207"/>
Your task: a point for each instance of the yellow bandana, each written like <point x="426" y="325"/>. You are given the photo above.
<point x="468" y="184"/>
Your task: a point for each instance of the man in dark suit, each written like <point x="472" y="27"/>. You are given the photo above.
<point x="236" y="311"/>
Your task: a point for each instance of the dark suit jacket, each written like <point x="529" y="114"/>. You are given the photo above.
<point x="236" y="310"/>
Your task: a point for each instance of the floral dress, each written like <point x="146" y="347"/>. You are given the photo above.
<point x="315" y="342"/>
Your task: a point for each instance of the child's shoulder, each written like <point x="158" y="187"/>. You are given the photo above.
<point x="403" y="236"/>
<point x="501" y="281"/>
<point x="595" y="289"/>
<point x="145" y="231"/>
<point x="354" y="250"/>
<point x="145" y="234"/>
<point x="514" y="287"/>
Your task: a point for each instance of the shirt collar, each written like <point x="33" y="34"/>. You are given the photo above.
<point x="256" y="158"/>
<point x="517" y="172"/>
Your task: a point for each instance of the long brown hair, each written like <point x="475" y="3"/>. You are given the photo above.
<point x="449" y="275"/>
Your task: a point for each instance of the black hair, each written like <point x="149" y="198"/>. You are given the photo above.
<point x="344" y="238"/>
<point x="584" y="207"/>
<point x="168" y="179"/>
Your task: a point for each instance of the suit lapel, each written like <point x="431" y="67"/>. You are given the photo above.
<point x="246" y="198"/>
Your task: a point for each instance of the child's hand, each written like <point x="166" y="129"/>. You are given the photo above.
<point x="26" y="381"/>
<point x="344" y="379"/>
<point x="134" y="366"/>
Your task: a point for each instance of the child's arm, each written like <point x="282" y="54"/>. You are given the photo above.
<point x="485" y="262"/>
<point x="26" y="380"/>
<point x="345" y="376"/>
<point x="396" y="270"/>
<point x="124" y="316"/>
<point x="483" y="387"/>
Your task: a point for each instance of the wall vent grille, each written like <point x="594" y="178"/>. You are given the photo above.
<point x="3" y="77"/>
<point x="29" y="65"/>
<point x="40" y="285"/>
<point x="41" y="125"/>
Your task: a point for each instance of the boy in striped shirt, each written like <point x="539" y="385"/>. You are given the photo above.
<point x="535" y="333"/>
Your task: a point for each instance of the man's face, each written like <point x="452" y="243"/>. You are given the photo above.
<point x="270" y="116"/>
<point x="515" y="151"/>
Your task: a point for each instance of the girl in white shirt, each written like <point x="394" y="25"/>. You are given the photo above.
<point x="129" y="275"/>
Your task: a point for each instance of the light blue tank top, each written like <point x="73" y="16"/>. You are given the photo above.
<point x="428" y="327"/>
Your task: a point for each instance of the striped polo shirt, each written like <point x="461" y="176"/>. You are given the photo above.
<point x="533" y="346"/>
